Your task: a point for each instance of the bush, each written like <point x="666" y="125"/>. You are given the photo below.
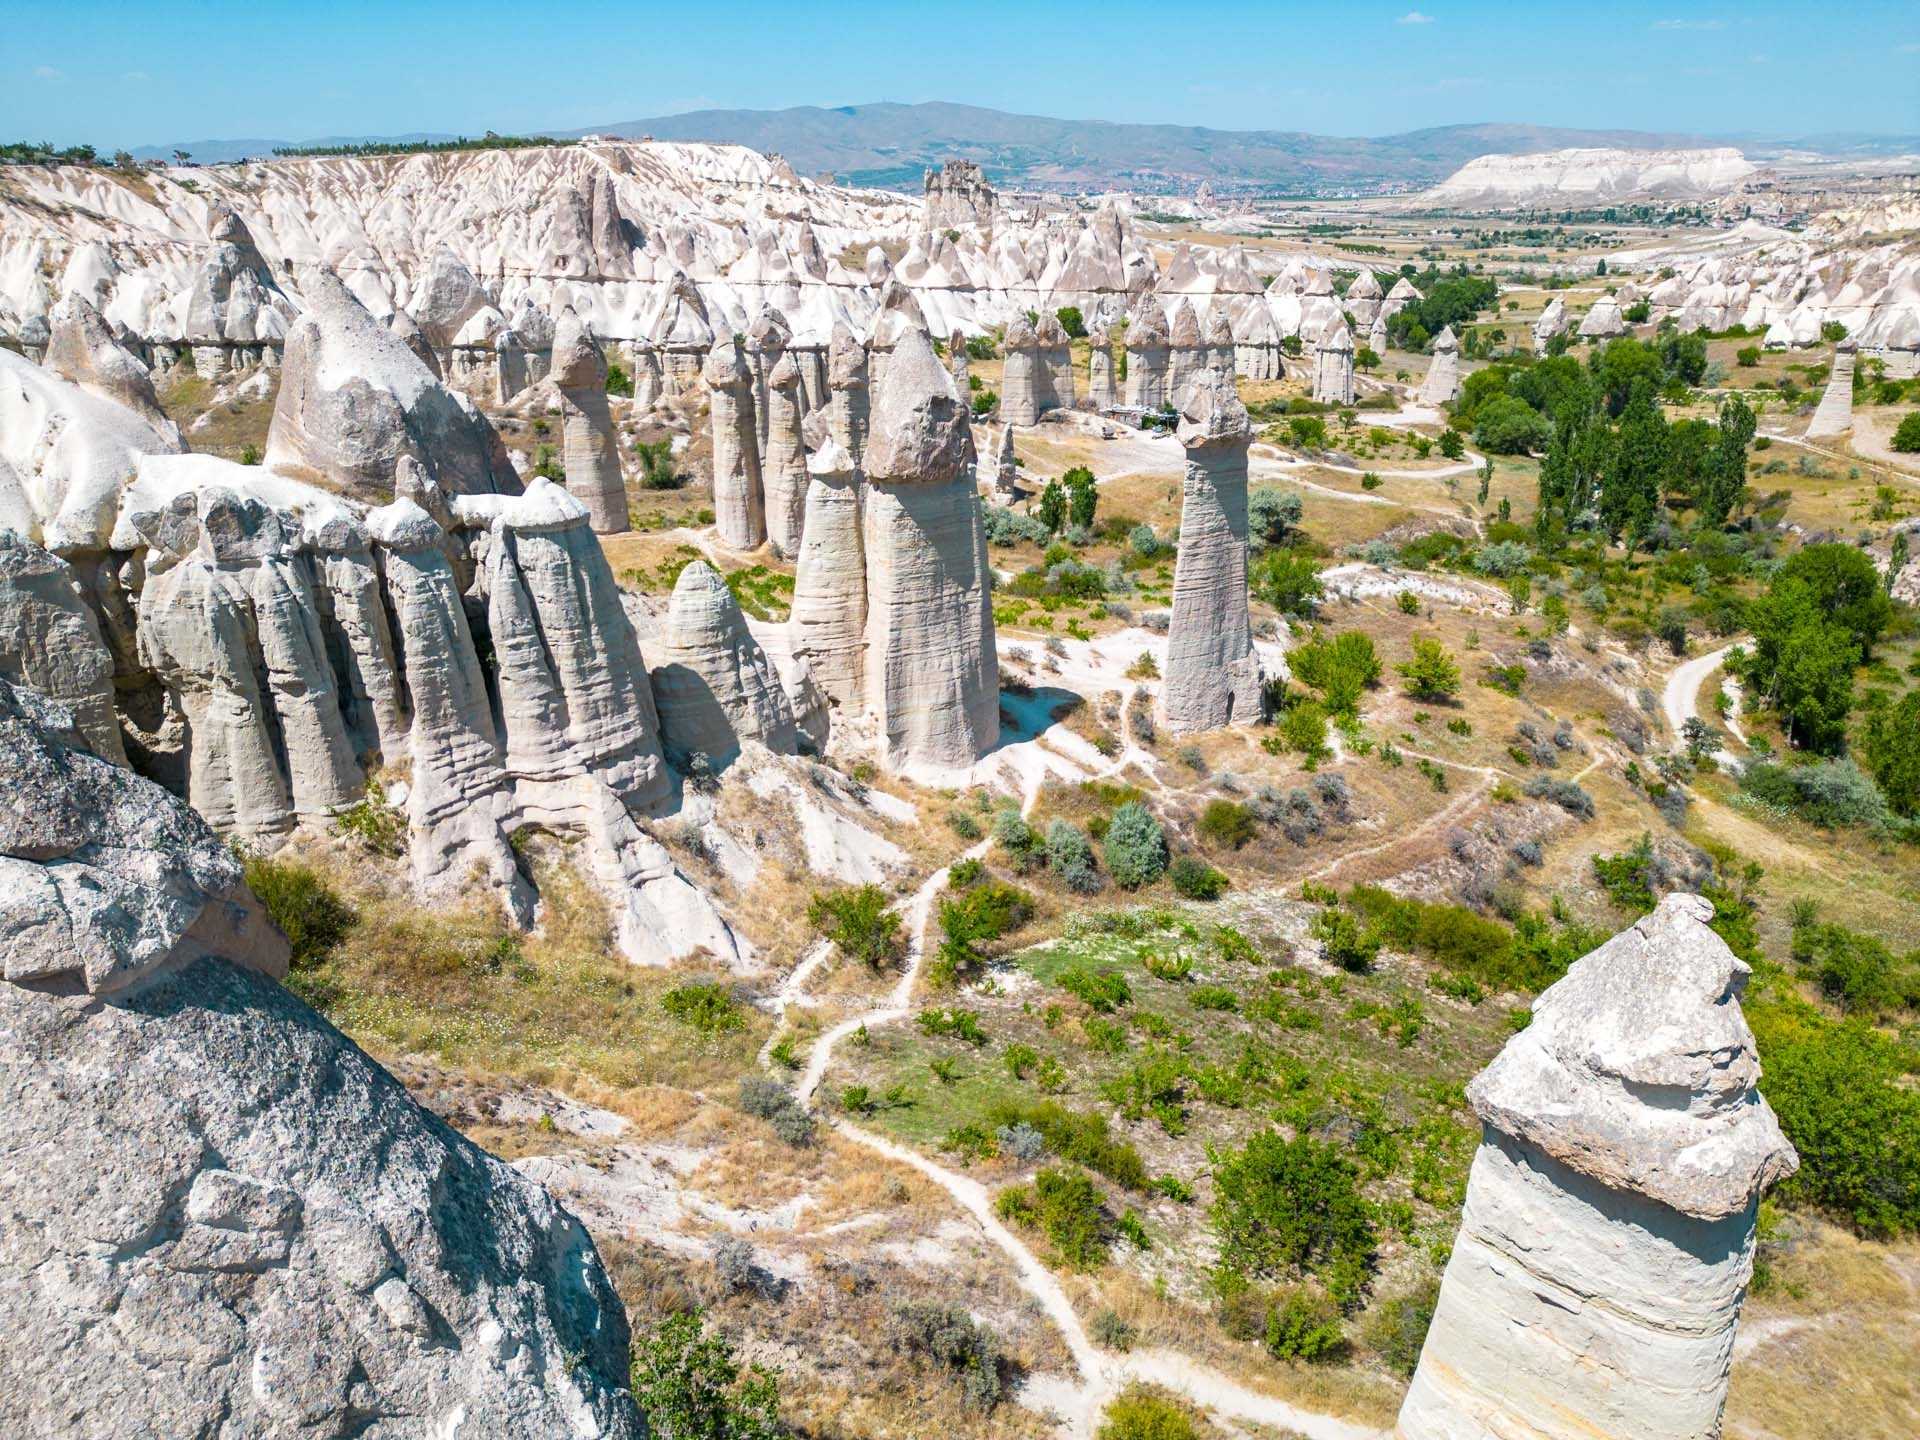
<point x="1135" y="847"/>
<point x="1829" y="793"/>
<point x="1906" y="438"/>
<point x="1841" y="1099"/>
<point x="1070" y="855"/>
<point x="1197" y="880"/>
<point x="1564" y="793"/>
<point x="1101" y="990"/>
<point x="1290" y="1207"/>
<point x="950" y="1336"/>
<point x="1398" y="1327"/>
<point x="772" y="1102"/>
<point x="1432" y="674"/>
<point x="1503" y="559"/>
<point x="1226" y="822"/>
<point x="1141" y="1414"/>
<point x="1346" y="942"/>
<point x="1303" y="729"/>
<point x="1341" y="667"/>
<point x="1065" y="1206"/>
<point x="1010" y="527"/>
<point x="1303" y="1325"/>
<point x="1288" y="580"/>
<point x="1856" y="971"/>
<point x="860" y="921"/>
<point x="1507" y="425"/>
<point x="1110" y="1332"/>
<point x="691" y="1387"/>
<point x="1272" y="515"/>
<point x="704" y="1006"/>
<point x="1079" y="1137"/>
<point x="308" y="911"/>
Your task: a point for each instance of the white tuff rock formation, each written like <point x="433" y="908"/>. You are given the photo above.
<point x="1608" y="1233"/>
<point x="1834" y="415"/>
<point x="51" y="643"/>
<point x="591" y="452"/>
<point x="783" y="461"/>
<point x="828" y="622"/>
<point x="848" y="398"/>
<point x="219" y="1217"/>
<point x="1147" y="356"/>
<point x="1443" y="375"/>
<point x="933" y="677"/>
<point x="714" y="684"/>
<point x="1186" y="357"/>
<point x="81" y="348"/>
<point x="1212" y="674"/>
<point x="1333" y="364"/>
<point x="1100" y="391"/>
<point x="739" y="500"/>
<point x="1021" y="381"/>
<point x="1552" y="322"/>
<point x="1591" y="176"/>
<point x="1604" y="320"/>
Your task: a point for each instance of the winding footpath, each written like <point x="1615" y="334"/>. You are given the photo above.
<point x="1680" y="698"/>
<point x="1103" y="1374"/>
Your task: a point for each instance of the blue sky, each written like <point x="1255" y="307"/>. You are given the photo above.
<point x="123" y="74"/>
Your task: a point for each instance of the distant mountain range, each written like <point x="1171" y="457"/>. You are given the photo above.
<point x="890" y="145"/>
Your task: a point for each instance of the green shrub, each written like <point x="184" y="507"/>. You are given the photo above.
<point x="861" y="921"/>
<point x="1341" y="667"/>
<point x="1906" y="437"/>
<point x="1289" y="1207"/>
<point x="1288" y="580"/>
<point x="954" y="1024"/>
<point x="705" y="1006"/>
<point x="1142" y="1414"/>
<point x="1856" y="971"/>
<point x="308" y="911"/>
<point x="1135" y="847"/>
<point x="1065" y="1206"/>
<point x="1102" y="990"/>
<point x="1080" y="1137"/>
<point x="1197" y="880"/>
<point x="948" y="1335"/>
<point x="1432" y="674"/>
<point x="1226" y="822"/>
<point x="691" y="1387"/>
<point x="1303" y="729"/>
<point x="1829" y="793"/>
<point x="1272" y="515"/>
<point x="1347" y="943"/>
<point x="1213" y="997"/>
<point x="1398" y="1327"/>
<point x="1304" y="1325"/>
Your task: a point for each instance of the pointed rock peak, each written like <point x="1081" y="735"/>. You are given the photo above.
<point x="237" y="528"/>
<point x="1098" y="335"/>
<point x="1445" y="340"/>
<point x="1403" y="289"/>
<point x="1336" y="336"/>
<point x="827" y="458"/>
<point x="899" y="312"/>
<point x="701" y="596"/>
<point x="1020" y="333"/>
<point x="1639" y="1070"/>
<point x="785" y="374"/>
<point x="725" y="368"/>
<point x="1183" y="327"/>
<point x="919" y="432"/>
<point x="82" y="348"/>
<point x="1148" y="325"/>
<point x="404" y="527"/>
<point x="578" y="361"/>
<point x="1211" y="414"/>
<point x="1364" y="287"/>
<point x="1050" y="332"/>
<point x="846" y="359"/>
<point x="1319" y="282"/>
<point x="1219" y="327"/>
<point x="769" y="331"/>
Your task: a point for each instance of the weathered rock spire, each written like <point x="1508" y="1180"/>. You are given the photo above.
<point x="739" y="501"/>
<point x="591" y="454"/>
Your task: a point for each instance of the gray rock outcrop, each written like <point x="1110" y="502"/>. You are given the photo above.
<point x="932" y="671"/>
<point x="1333" y="365"/>
<point x="353" y="399"/>
<point x="849" y="401"/>
<point x="1056" y="364"/>
<point x="218" y="1216"/>
<point x="1604" y="321"/>
<point x="1217" y="336"/>
<point x="739" y="500"/>
<point x="714" y="685"/>
<point x="1607" y="1240"/>
<point x="682" y="336"/>
<point x="82" y="348"/>
<point x="1443" y="375"/>
<point x="50" y="642"/>
<point x="1212" y="672"/>
<point x="828" y="621"/>
<point x="590" y="450"/>
<point x="1020" y="380"/>
<point x="1834" y="414"/>
<point x="1552" y="322"/>
<point x="1147" y="359"/>
<point x="783" y="464"/>
<point x="1186" y="353"/>
<point x="1100" y="391"/>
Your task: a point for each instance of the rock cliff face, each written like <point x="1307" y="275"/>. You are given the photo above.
<point x="1100" y="391"/>
<point x="591" y="453"/>
<point x="932" y="672"/>
<point x="715" y="685"/>
<point x="739" y="501"/>
<point x="1147" y="357"/>
<point x="1607" y="1239"/>
<point x="219" y="1217"/>
<point x="1333" y="364"/>
<point x="1443" y="375"/>
<point x="1591" y="176"/>
<point x="828" y="622"/>
<point x="1212" y="673"/>
<point x="50" y="639"/>
<point x="354" y="399"/>
<point x="1020" y="381"/>
<point x="783" y="464"/>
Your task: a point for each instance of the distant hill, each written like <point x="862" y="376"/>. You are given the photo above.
<point x="890" y="145"/>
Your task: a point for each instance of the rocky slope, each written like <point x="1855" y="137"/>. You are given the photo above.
<point x="1572" y="178"/>
<point x="218" y="1217"/>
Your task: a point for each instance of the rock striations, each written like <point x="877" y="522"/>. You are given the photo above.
<point x="739" y="501"/>
<point x="715" y="686"/>
<point x="932" y="673"/>
<point x="1443" y="375"/>
<point x="218" y="1216"/>
<point x="591" y="454"/>
<point x="1212" y="673"/>
<point x="1608" y="1234"/>
<point x="1333" y="364"/>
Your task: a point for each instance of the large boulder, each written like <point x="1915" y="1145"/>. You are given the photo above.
<point x="218" y="1216"/>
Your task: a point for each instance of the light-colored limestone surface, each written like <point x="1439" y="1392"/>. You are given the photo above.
<point x="849" y="400"/>
<point x="590" y="451"/>
<point x="1213" y="674"/>
<point x="932" y="672"/>
<point x="1100" y="391"/>
<point x="783" y="464"/>
<point x="1147" y="356"/>
<point x="1021" y="380"/>
<point x="218" y="1216"/>
<point x="1443" y="375"/>
<point x="1333" y="364"/>
<point x="1607" y="1239"/>
<point x="739" y="500"/>
<point x="50" y="641"/>
<point x="715" y="687"/>
<point x="828" y="621"/>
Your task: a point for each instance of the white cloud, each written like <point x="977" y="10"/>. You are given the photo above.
<point x="47" y="72"/>
<point x="1689" y="24"/>
<point x="1414" y="17"/>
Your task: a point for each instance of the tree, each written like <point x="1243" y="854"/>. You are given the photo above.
<point x="691" y="1386"/>
<point x="1288" y="580"/>
<point x="1510" y="426"/>
<point x="1432" y="674"/>
<point x="1451" y="444"/>
<point x="1082" y="498"/>
<point x="1630" y="490"/>
<point x="1846" y="587"/>
<point x="1289" y="1207"/>
<point x="1071" y="321"/>
<point x="1892" y="747"/>
<point x="1906" y="438"/>
<point x="1619" y="364"/>
<point x="1802" y="663"/>
<point x="1135" y="847"/>
<point x="1365" y="359"/>
<point x="1723" y="478"/>
<point x="1052" y="510"/>
<point x="1340" y="667"/>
